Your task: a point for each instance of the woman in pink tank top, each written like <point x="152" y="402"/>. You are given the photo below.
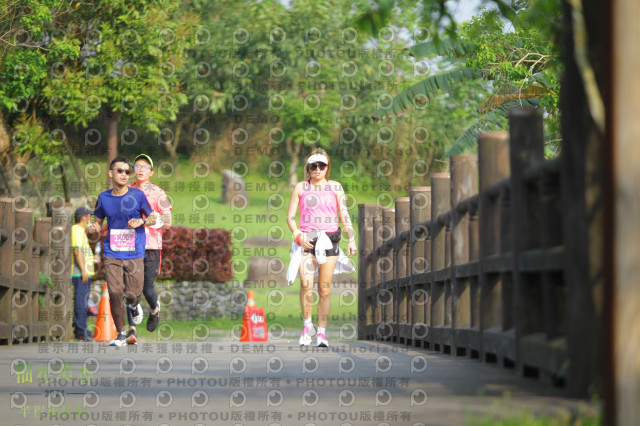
<point x="322" y="206"/>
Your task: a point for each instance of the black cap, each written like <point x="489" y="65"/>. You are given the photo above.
<point x="82" y="211"/>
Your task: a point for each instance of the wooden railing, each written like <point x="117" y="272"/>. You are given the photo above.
<point x="31" y="311"/>
<point x="474" y="264"/>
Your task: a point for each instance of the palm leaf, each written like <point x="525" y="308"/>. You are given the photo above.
<point x="492" y="120"/>
<point x="420" y="93"/>
<point x="444" y="47"/>
<point x="376" y="17"/>
<point x="544" y="79"/>
<point x="511" y="94"/>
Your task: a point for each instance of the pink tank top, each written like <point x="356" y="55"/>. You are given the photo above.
<point x="318" y="209"/>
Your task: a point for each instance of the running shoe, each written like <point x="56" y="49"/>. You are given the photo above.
<point x="132" y="337"/>
<point x="153" y="320"/>
<point x="321" y="341"/>
<point x="120" y="340"/>
<point x="136" y="314"/>
<point x="307" y="332"/>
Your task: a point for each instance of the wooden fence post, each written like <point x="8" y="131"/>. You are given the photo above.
<point x="61" y="296"/>
<point x="22" y="237"/>
<point x="527" y="148"/>
<point x="7" y="225"/>
<point x="420" y="208"/>
<point x="365" y="283"/>
<point x="400" y="276"/>
<point x="609" y="186"/>
<point x="440" y="191"/>
<point x="464" y="184"/>
<point x="401" y="225"/>
<point x="386" y="264"/>
<point x="42" y="229"/>
<point x="493" y="157"/>
<point x="376" y="274"/>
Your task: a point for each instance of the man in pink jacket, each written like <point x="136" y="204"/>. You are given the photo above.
<point x="143" y="170"/>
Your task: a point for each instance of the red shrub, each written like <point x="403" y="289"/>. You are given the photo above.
<point x="192" y="255"/>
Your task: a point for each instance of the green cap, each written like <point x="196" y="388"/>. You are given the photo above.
<point x="146" y="157"/>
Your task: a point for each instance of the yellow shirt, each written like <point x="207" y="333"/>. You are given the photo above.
<point x="79" y="240"/>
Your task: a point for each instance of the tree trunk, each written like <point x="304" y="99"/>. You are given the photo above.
<point x="112" y="139"/>
<point x="65" y="183"/>
<point x="84" y="188"/>
<point x="293" y="169"/>
<point x="172" y="146"/>
<point x="5" y="181"/>
<point x="293" y="149"/>
<point x="584" y="227"/>
<point x="5" y="140"/>
<point x="5" y="147"/>
<point x="41" y="202"/>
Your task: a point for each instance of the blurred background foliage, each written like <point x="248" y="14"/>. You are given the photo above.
<point x="389" y="88"/>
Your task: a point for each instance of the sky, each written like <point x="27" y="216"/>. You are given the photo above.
<point x="464" y="9"/>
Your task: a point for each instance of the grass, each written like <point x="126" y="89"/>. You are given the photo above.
<point x="588" y="414"/>
<point x="530" y="419"/>
<point x="197" y="202"/>
<point x="282" y="309"/>
<point x="284" y="320"/>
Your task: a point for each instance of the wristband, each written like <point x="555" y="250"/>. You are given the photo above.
<point x="296" y="233"/>
<point x="298" y="238"/>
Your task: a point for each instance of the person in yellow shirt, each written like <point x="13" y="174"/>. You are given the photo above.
<point x="82" y="269"/>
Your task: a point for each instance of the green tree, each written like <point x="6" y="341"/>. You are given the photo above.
<point x="129" y="66"/>
<point x="304" y="66"/>
<point x="323" y="77"/>
<point x="29" y="45"/>
<point x="224" y="67"/>
<point x="74" y="63"/>
<point x="47" y="149"/>
<point x="520" y="67"/>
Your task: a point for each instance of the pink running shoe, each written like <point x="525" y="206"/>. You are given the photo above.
<point x="321" y="341"/>
<point x="307" y="332"/>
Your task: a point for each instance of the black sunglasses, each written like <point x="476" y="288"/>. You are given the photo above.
<point x="314" y="166"/>
<point x="120" y="171"/>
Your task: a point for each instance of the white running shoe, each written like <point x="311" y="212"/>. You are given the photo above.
<point x="307" y="332"/>
<point x="136" y="314"/>
<point x="321" y="341"/>
<point x="120" y="340"/>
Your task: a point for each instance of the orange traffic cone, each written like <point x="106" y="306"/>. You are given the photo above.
<point x="254" y="324"/>
<point x="105" y="327"/>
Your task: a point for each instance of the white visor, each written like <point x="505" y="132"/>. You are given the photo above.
<point x="318" y="158"/>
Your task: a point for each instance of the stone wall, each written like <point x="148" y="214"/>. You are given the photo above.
<point x="199" y="300"/>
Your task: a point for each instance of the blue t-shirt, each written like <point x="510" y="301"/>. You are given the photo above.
<point x="123" y="242"/>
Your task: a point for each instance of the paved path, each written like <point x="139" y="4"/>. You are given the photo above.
<point x="274" y="383"/>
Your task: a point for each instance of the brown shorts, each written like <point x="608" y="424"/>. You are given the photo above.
<point x="125" y="280"/>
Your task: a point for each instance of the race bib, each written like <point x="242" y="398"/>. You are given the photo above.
<point x="123" y="240"/>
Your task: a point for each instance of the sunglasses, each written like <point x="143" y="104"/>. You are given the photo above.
<point x="314" y="166"/>
<point x="120" y="171"/>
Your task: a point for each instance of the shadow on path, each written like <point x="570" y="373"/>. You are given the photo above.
<point x="237" y="383"/>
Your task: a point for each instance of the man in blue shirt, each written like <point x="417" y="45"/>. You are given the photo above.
<point x="124" y="246"/>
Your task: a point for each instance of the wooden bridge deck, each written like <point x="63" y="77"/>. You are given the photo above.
<point x="227" y="382"/>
